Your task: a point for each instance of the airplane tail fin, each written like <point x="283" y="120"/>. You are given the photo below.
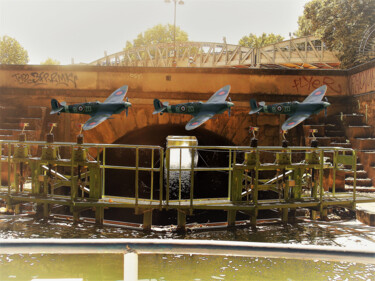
<point x="159" y="106"/>
<point x="56" y="106"/>
<point x="255" y="107"/>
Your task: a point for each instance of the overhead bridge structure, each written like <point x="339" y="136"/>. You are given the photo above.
<point x="305" y="52"/>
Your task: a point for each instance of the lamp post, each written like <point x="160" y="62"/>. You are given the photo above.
<point x="180" y="2"/>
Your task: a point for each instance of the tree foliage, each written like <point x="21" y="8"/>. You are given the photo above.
<point x="50" y="61"/>
<point x="11" y="52"/>
<point x="340" y="24"/>
<point x="253" y="41"/>
<point x="158" y="34"/>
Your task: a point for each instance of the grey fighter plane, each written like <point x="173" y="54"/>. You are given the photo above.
<point x="200" y="110"/>
<point x="298" y="112"/>
<point x="98" y="111"/>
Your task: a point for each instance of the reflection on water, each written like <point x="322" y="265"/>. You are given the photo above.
<point x="178" y="267"/>
<point x="340" y="233"/>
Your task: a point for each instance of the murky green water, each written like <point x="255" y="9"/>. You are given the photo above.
<point x="178" y="267"/>
<point x="188" y="267"/>
<point x="340" y="233"/>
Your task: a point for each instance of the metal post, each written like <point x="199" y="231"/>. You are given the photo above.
<point x="147" y="220"/>
<point x="136" y="177"/>
<point x="161" y="174"/>
<point x="181" y="220"/>
<point x="167" y="160"/>
<point x="192" y="181"/>
<point x="230" y="174"/>
<point x="152" y="175"/>
<point x="179" y="176"/>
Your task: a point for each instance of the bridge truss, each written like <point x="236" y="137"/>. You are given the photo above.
<point x="304" y="52"/>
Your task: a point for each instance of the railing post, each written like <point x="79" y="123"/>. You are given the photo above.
<point x="167" y="160"/>
<point x="354" y="168"/>
<point x="136" y="178"/>
<point x="152" y="174"/>
<point x="230" y="174"/>
<point x="161" y="176"/>
<point x="192" y="181"/>
<point x="321" y="188"/>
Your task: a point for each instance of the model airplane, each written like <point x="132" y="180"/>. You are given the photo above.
<point x="200" y="110"/>
<point x="98" y="111"/>
<point x="313" y="104"/>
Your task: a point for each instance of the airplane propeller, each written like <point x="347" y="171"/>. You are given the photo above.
<point x="325" y="109"/>
<point x="127" y="108"/>
<point x="230" y="100"/>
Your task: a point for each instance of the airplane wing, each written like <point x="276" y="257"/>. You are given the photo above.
<point x="95" y="120"/>
<point x="294" y="120"/>
<point x="317" y="95"/>
<point x="199" y="120"/>
<point x="220" y="96"/>
<point x="118" y="95"/>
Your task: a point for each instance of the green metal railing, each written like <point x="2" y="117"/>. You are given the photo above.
<point x="45" y="167"/>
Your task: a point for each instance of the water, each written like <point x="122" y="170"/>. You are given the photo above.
<point x="178" y="267"/>
<point x="350" y="233"/>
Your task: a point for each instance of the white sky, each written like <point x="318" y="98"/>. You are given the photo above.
<point x="84" y="29"/>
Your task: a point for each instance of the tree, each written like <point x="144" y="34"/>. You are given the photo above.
<point x="158" y="34"/>
<point x="50" y="61"/>
<point x="340" y="24"/>
<point x="11" y="52"/>
<point x="253" y="41"/>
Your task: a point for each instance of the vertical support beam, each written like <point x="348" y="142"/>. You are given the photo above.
<point x="181" y="220"/>
<point x="321" y="189"/>
<point x="192" y="181"/>
<point x="167" y="160"/>
<point x="9" y="168"/>
<point x="75" y="215"/>
<point x="136" y="178"/>
<point x="99" y="215"/>
<point x="231" y="218"/>
<point x="179" y="175"/>
<point x="334" y="172"/>
<point x="230" y="171"/>
<point x="286" y="198"/>
<point x="45" y="210"/>
<point x="147" y="220"/>
<point x="152" y="174"/>
<point x="161" y="174"/>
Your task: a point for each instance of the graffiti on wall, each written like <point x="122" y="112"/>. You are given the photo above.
<point x="310" y="83"/>
<point x="363" y="82"/>
<point x="47" y="78"/>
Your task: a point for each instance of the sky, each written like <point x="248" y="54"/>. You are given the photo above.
<point x="83" y="30"/>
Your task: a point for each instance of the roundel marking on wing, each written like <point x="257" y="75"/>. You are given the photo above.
<point x="291" y="123"/>
<point x="92" y="123"/>
<point x="221" y="93"/>
<point x="195" y="123"/>
<point x="318" y="93"/>
<point x="118" y="93"/>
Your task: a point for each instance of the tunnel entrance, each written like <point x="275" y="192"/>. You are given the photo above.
<point x="121" y="183"/>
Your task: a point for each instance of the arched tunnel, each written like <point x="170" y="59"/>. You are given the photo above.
<point x="121" y="183"/>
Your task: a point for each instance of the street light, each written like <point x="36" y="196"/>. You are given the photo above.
<point x="180" y="2"/>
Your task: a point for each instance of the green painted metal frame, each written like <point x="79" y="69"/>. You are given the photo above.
<point x="234" y="201"/>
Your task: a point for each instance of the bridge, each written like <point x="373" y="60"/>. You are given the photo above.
<point x="305" y="52"/>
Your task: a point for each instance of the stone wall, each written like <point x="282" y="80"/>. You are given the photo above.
<point x="35" y="86"/>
